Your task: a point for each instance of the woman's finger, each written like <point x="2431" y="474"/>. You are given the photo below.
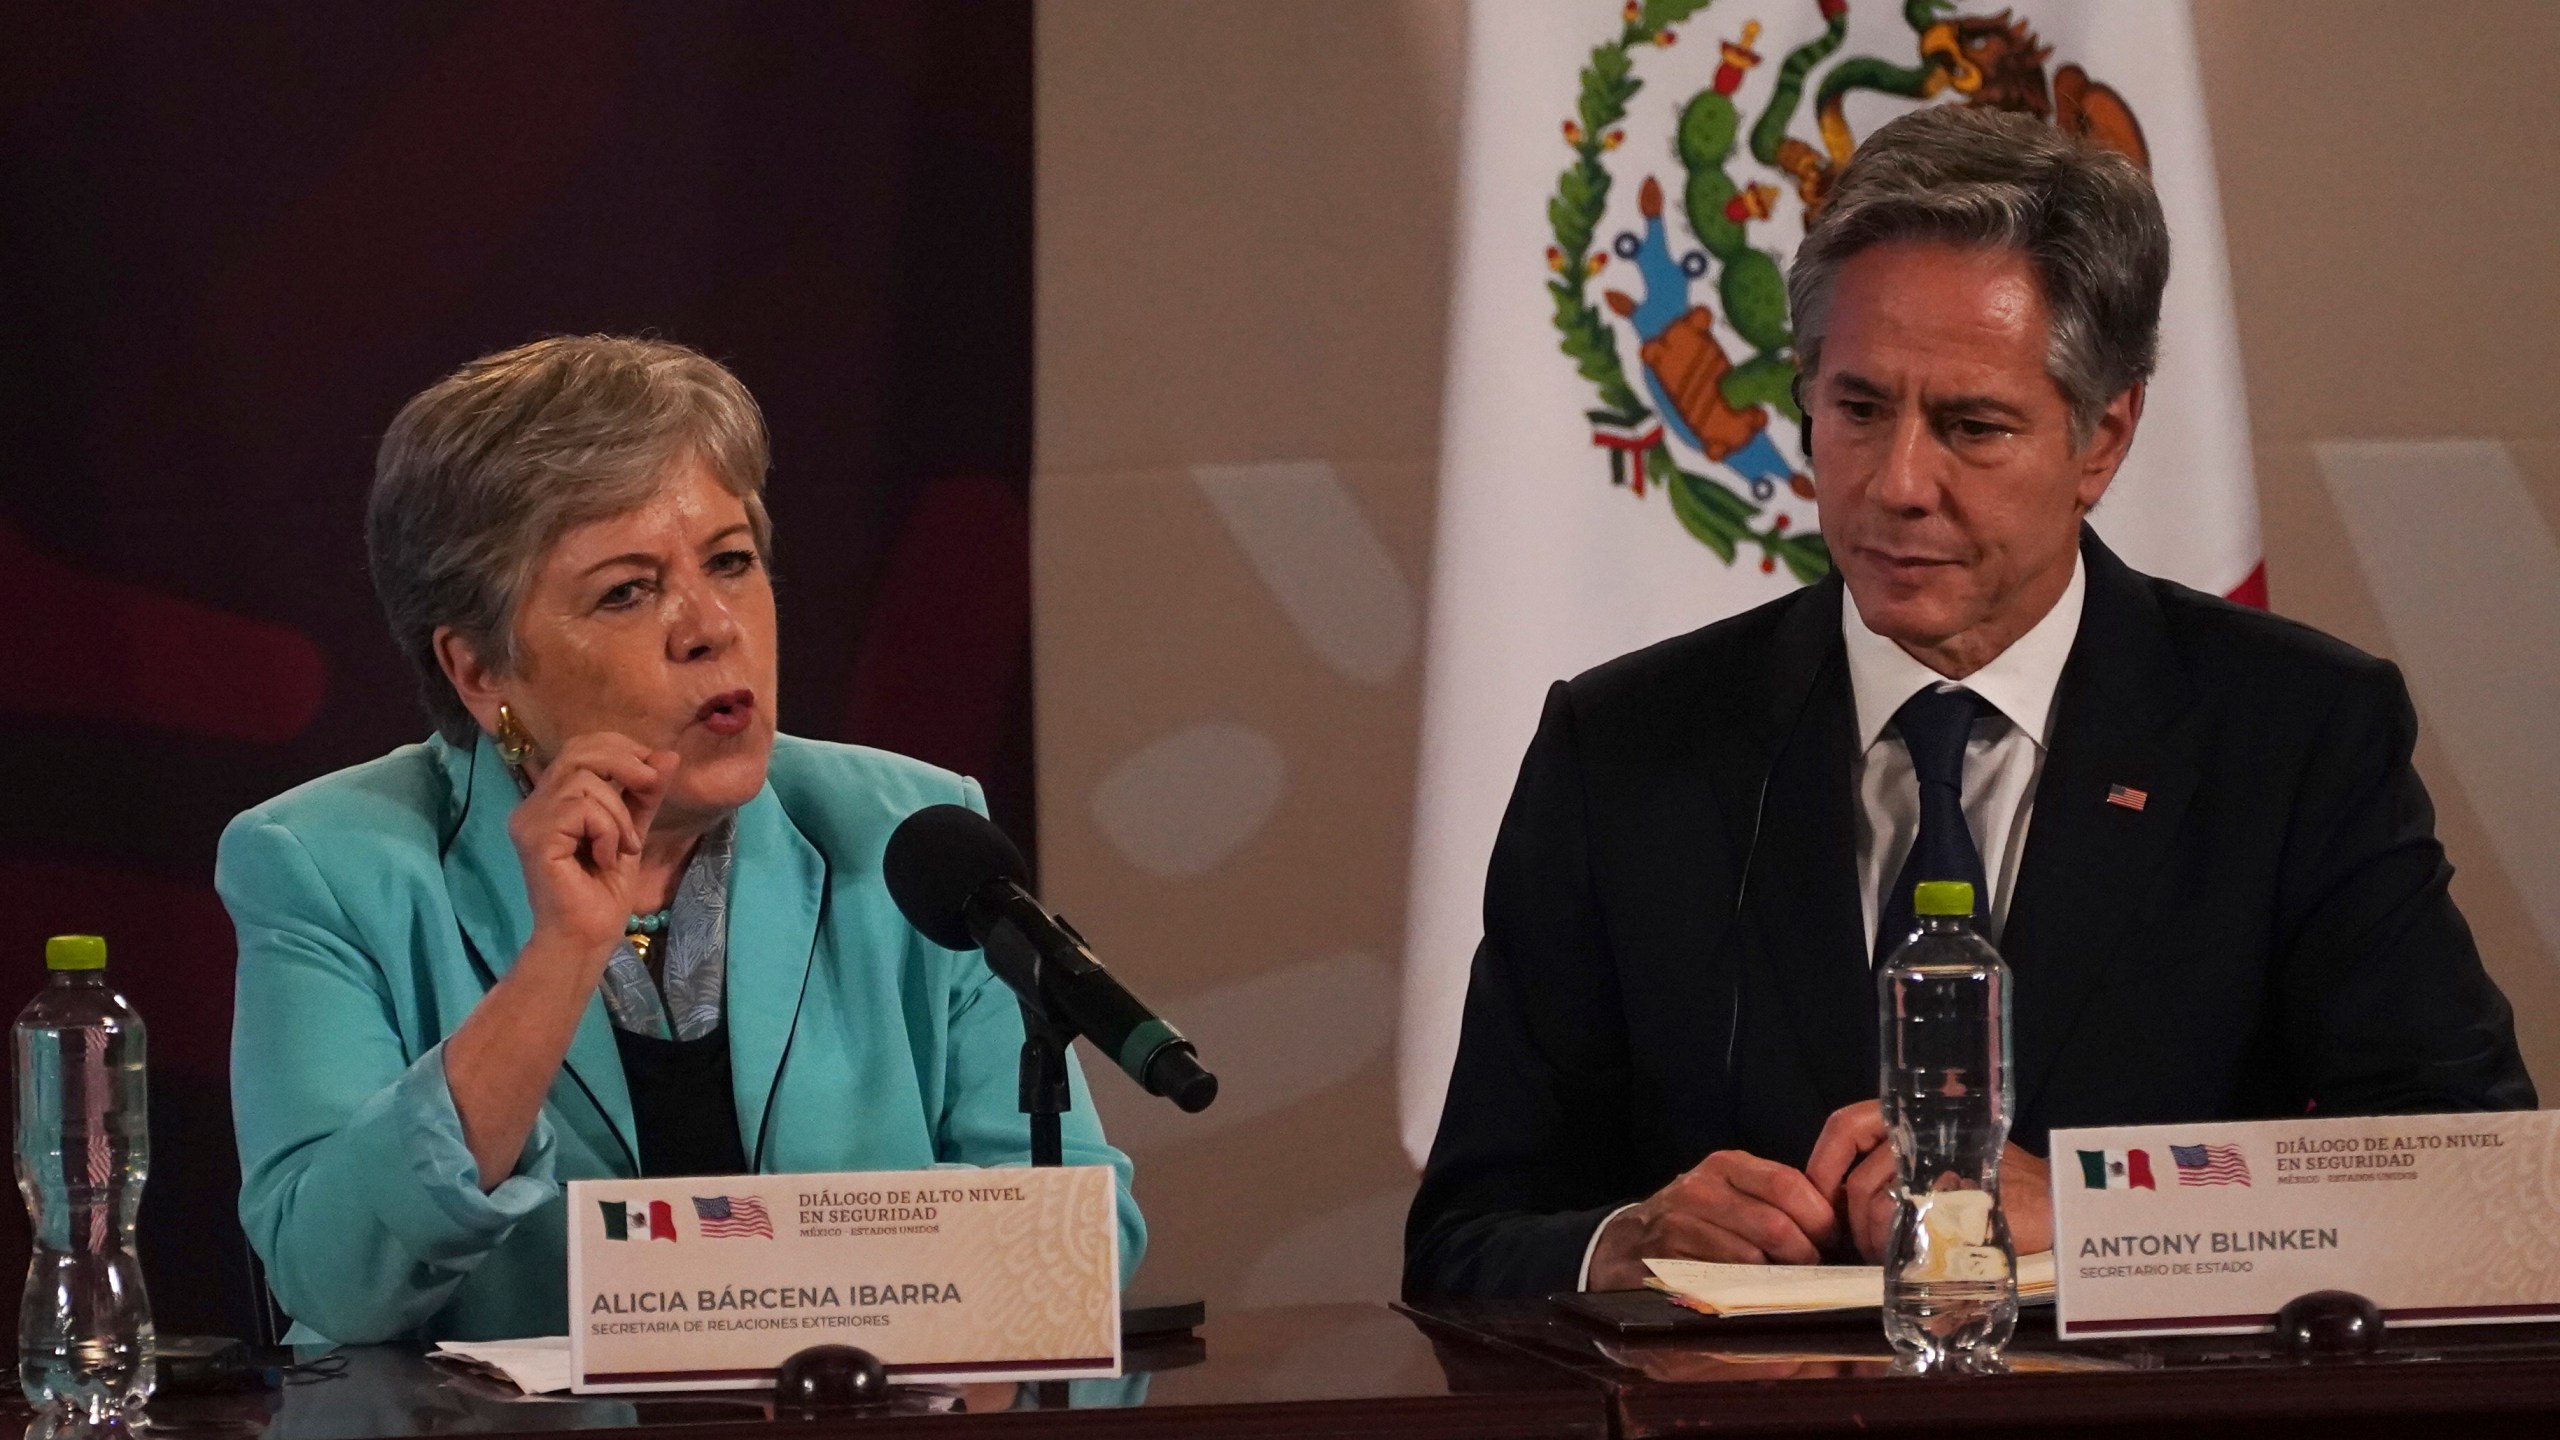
<point x="589" y="834"/>
<point x="617" y="805"/>
<point x="645" y="800"/>
<point x="594" y="790"/>
<point x="638" y="775"/>
<point x="625" y="763"/>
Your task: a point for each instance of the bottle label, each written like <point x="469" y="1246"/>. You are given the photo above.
<point x="1953" y="1237"/>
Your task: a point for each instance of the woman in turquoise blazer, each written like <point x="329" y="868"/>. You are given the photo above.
<point x="607" y="922"/>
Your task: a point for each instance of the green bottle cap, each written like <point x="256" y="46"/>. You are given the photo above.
<point x="75" y="952"/>
<point x="1942" y="897"/>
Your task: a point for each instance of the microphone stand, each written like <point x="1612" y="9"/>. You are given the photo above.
<point x="1045" y="1093"/>
<point x="1045" y="1096"/>
<point x="1044" y="1089"/>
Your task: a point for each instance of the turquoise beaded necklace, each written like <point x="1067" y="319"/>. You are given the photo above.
<point x="643" y="931"/>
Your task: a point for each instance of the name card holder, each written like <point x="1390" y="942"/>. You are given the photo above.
<point x="947" y="1275"/>
<point x="2212" y="1229"/>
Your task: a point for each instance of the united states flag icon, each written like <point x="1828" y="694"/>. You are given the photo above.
<point x="731" y="1216"/>
<point x="2128" y="797"/>
<point x="2210" y="1164"/>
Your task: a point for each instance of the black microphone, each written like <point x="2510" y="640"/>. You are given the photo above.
<point x="958" y="880"/>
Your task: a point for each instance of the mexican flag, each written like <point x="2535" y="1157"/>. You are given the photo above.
<point x="1620" y="460"/>
<point x="624" y="1221"/>
<point x="2115" y="1170"/>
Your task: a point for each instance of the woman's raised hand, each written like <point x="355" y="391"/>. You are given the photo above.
<point x="579" y="836"/>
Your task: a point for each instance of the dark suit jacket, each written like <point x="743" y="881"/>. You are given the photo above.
<point x="2270" y="935"/>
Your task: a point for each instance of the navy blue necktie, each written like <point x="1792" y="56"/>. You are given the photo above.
<point x="1934" y="725"/>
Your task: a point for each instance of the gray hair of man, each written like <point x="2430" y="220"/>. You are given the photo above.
<point x="2086" y="219"/>
<point x="484" y="471"/>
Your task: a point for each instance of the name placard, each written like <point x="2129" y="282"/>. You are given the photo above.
<point x="957" y="1275"/>
<point x="2437" y="1219"/>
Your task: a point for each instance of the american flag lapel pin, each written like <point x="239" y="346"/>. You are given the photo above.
<point x="2128" y="797"/>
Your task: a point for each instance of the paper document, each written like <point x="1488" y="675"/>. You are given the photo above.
<point x="1798" y="1289"/>
<point x="536" y="1366"/>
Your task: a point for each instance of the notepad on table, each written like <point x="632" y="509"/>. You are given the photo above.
<point x="1802" y="1289"/>
<point x="537" y="1366"/>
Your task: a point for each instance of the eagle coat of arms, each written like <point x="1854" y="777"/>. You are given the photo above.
<point x="1705" y="308"/>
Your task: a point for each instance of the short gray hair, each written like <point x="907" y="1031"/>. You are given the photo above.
<point x="2086" y="218"/>
<point x="482" y="472"/>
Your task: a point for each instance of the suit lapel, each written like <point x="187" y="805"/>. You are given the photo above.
<point x="777" y="891"/>
<point x="2089" y="863"/>
<point x="485" y="879"/>
<point x="1802" y="902"/>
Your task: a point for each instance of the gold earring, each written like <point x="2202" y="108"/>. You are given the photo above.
<point x="515" y="743"/>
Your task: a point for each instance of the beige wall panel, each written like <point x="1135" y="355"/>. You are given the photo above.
<point x="2539" y="459"/>
<point x="1279" y="959"/>
<point x="2393" y="211"/>
<point x="1244" y="228"/>
<point x="1244" y="236"/>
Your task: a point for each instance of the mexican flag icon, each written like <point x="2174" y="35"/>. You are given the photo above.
<point x="2116" y="1170"/>
<point x="658" y="1222"/>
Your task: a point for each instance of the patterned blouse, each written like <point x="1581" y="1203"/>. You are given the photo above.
<point x="685" y="1003"/>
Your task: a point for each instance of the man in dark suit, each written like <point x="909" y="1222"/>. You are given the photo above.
<point x="2230" y="903"/>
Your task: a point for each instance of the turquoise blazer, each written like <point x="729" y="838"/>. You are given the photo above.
<point x="377" y="905"/>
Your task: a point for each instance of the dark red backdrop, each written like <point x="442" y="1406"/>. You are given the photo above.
<point x="234" y="238"/>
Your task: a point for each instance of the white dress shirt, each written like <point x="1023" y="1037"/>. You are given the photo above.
<point x="2003" y="758"/>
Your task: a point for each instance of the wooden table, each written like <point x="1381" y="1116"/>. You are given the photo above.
<point x="1525" y="1370"/>
<point x="1819" y="1379"/>
<point x="1345" y="1371"/>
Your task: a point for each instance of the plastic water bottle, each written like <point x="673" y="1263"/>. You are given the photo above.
<point x="1950" y="1272"/>
<point x="84" y="1146"/>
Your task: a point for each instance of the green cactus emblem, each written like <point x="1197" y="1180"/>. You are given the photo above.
<point x="1712" y="380"/>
